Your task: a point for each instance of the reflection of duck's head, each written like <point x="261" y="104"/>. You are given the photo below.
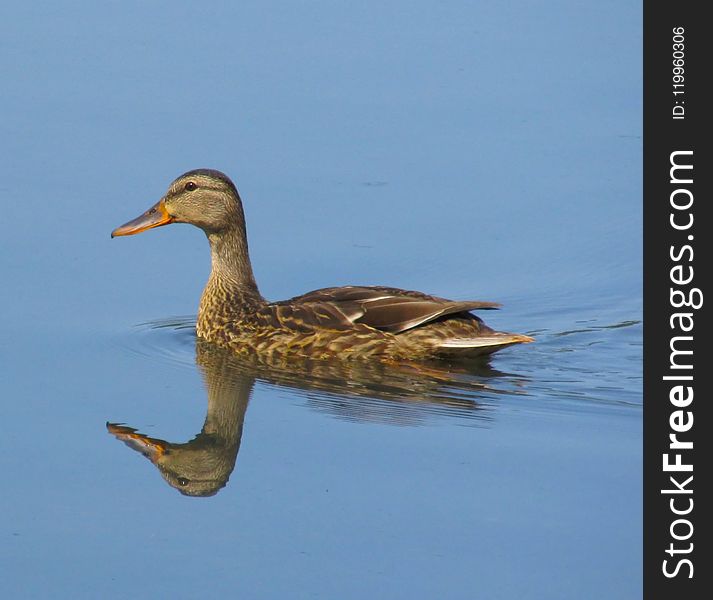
<point x="201" y="467"/>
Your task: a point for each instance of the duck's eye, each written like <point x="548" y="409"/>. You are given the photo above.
<point x="190" y="186"/>
<point x="183" y="482"/>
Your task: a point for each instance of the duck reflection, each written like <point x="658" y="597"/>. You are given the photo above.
<point x="404" y="394"/>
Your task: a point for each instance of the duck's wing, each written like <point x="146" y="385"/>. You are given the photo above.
<point x="387" y="309"/>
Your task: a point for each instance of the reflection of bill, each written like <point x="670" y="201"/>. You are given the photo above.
<point x="360" y="391"/>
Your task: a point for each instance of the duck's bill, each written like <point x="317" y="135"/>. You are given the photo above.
<point x="151" y="448"/>
<point x="155" y="216"/>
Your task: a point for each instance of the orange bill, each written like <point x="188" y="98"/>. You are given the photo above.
<point x="155" y="216"/>
<point x="151" y="448"/>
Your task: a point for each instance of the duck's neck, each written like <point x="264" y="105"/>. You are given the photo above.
<point x="228" y="396"/>
<point x="231" y="289"/>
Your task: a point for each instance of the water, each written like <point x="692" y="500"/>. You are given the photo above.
<point x="469" y="150"/>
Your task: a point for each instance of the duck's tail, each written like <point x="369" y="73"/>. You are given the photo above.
<point x="484" y="344"/>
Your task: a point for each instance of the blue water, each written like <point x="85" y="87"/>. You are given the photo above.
<point x="479" y="150"/>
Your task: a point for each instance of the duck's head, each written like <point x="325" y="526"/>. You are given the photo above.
<point x="205" y="198"/>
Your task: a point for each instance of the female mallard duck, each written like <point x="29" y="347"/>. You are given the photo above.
<point x="345" y="322"/>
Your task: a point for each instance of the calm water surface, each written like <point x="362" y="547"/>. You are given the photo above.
<point x="470" y="150"/>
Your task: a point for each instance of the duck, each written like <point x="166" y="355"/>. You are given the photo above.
<point x="349" y="322"/>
